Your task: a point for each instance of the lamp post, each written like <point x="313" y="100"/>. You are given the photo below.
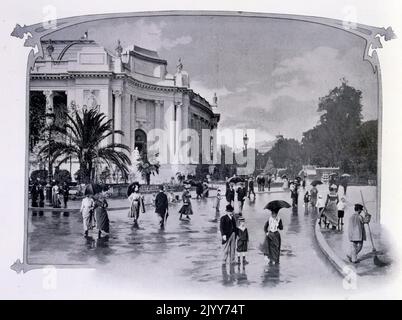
<point x="245" y="142"/>
<point x="49" y="122"/>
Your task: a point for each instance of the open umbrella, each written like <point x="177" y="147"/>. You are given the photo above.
<point x="235" y="180"/>
<point x="191" y="182"/>
<point x="276" y="205"/>
<point x="92" y="188"/>
<point x="345" y="175"/>
<point x="284" y="176"/>
<point x="315" y="182"/>
<point x="131" y="187"/>
<point x="333" y="174"/>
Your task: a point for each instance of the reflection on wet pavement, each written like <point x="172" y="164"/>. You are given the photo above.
<point x="185" y="250"/>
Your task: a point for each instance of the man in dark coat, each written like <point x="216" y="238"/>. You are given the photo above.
<point x="251" y="187"/>
<point x="162" y="206"/>
<point x="230" y="194"/>
<point x="241" y="196"/>
<point x="228" y="231"/>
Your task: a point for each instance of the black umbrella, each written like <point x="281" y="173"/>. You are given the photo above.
<point x="190" y="182"/>
<point x="276" y="205"/>
<point x="92" y="188"/>
<point x="316" y="182"/>
<point x="131" y="187"/>
<point x="235" y="180"/>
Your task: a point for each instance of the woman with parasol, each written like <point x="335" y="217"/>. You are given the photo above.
<point x="136" y="202"/>
<point x="186" y="209"/>
<point x="271" y="248"/>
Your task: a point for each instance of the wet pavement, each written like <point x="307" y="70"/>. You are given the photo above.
<point x="185" y="253"/>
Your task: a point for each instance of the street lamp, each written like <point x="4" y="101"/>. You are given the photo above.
<point x="49" y="122"/>
<point x="245" y="141"/>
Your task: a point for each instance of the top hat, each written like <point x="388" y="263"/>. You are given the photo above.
<point x="229" y="208"/>
<point x="358" y="207"/>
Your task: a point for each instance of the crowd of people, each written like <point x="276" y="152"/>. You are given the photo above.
<point x="233" y="229"/>
<point x="59" y="195"/>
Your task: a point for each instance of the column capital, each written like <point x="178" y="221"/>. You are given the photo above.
<point x="48" y="93"/>
<point x="117" y="92"/>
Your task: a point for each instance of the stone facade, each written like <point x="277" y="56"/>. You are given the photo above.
<point x="131" y="85"/>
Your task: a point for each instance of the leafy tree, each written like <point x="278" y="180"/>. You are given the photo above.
<point x="105" y="175"/>
<point x="37" y="103"/>
<point x="146" y="168"/>
<point x="41" y="174"/>
<point x="287" y="153"/>
<point x="62" y="176"/>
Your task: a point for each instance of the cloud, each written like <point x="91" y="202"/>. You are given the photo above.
<point x="289" y="106"/>
<point x="143" y="33"/>
<point x="207" y="92"/>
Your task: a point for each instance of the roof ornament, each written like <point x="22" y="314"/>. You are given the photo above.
<point x="50" y="49"/>
<point x="179" y="66"/>
<point x="215" y="100"/>
<point x="85" y="36"/>
<point x="119" y="48"/>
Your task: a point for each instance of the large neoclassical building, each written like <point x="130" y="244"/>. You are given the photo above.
<point x="131" y="85"/>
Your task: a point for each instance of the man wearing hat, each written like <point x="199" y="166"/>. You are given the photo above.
<point x="162" y="206"/>
<point x="357" y="233"/>
<point x="228" y="232"/>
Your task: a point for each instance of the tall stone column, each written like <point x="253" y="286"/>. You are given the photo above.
<point x="132" y="121"/>
<point x="179" y="107"/>
<point x="117" y="114"/>
<point x="158" y="113"/>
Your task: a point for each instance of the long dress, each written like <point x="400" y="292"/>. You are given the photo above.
<point x="218" y="202"/>
<point x="101" y="217"/>
<point x="186" y="209"/>
<point x="136" y="202"/>
<point x="313" y="196"/>
<point x="272" y="243"/>
<point x="87" y="205"/>
<point x="331" y="209"/>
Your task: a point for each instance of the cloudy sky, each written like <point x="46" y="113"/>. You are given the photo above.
<point x="268" y="73"/>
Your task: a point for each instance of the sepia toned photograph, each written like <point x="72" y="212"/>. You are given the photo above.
<point x="204" y="152"/>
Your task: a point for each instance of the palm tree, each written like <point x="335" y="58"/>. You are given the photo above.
<point x="86" y="132"/>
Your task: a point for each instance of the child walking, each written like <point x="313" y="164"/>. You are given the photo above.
<point x="321" y="207"/>
<point x="306" y="201"/>
<point x="242" y="241"/>
<point x="341" y="212"/>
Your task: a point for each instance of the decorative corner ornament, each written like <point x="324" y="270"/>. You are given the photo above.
<point x="18" y="266"/>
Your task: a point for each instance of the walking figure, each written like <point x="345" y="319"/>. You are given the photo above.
<point x="242" y="241"/>
<point x="186" y="209"/>
<point x="241" y="196"/>
<point x="230" y="194"/>
<point x="218" y="201"/>
<point x="357" y="233"/>
<point x="341" y="212"/>
<point x="87" y="206"/>
<point x="228" y="232"/>
<point x="271" y="247"/>
<point x="136" y="204"/>
<point x="251" y="187"/>
<point x="162" y="206"/>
